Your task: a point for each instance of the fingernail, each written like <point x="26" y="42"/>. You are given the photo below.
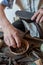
<point x="40" y="21"/>
<point x="14" y="46"/>
<point x="19" y="45"/>
<point x="36" y="22"/>
<point x="31" y="18"/>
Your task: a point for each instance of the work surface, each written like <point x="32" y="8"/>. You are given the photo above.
<point x="31" y="57"/>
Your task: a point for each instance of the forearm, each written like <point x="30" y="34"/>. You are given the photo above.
<point x="18" y="2"/>
<point x="40" y="4"/>
<point x="3" y="19"/>
<point x="11" y="34"/>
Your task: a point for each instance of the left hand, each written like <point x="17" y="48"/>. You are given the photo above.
<point x="38" y="16"/>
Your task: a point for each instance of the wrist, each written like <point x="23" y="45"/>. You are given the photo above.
<point x="5" y="25"/>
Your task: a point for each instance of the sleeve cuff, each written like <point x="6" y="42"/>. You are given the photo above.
<point x="6" y="3"/>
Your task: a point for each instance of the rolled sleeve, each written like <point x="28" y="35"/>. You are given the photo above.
<point x="6" y="3"/>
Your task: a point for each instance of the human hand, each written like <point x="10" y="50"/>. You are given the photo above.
<point x="38" y="16"/>
<point x="12" y="36"/>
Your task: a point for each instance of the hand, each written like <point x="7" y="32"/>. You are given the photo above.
<point x="12" y="36"/>
<point x="38" y="16"/>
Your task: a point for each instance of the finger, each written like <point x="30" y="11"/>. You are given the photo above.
<point x="35" y="15"/>
<point x="17" y="39"/>
<point x="12" y="42"/>
<point x="41" y="20"/>
<point x="7" y="41"/>
<point x="38" y="18"/>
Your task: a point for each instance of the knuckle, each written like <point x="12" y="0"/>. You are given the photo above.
<point x="40" y="9"/>
<point x="5" y="39"/>
<point x="40" y="14"/>
<point x="16" y="34"/>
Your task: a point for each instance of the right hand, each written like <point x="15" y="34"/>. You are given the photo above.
<point x="12" y="36"/>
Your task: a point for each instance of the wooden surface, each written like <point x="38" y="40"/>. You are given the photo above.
<point x="38" y="62"/>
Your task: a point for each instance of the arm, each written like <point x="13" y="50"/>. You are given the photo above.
<point x="11" y="36"/>
<point x="40" y="4"/>
<point x="18" y="2"/>
<point x="3" y="20"/>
